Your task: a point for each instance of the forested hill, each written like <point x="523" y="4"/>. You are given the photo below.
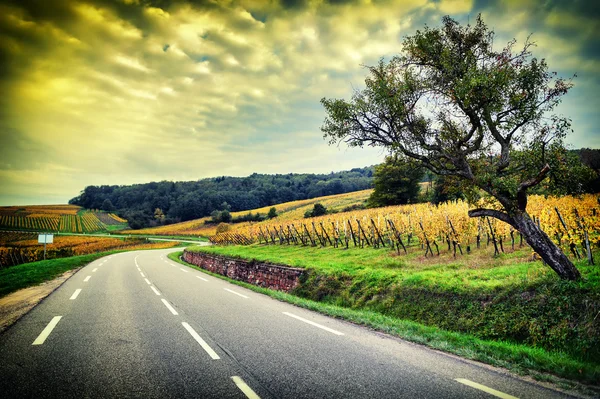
<point x="181" y="201"/>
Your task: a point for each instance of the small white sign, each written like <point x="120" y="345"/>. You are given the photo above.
<point x="45" y="238"/>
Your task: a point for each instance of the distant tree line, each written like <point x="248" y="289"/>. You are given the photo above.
<point x="182" y="201"/>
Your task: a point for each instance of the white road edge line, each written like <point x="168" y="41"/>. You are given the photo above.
<point x="199" y="339"/>
<point x="148" y="281"/>
<point x="135" y="260"/>
<point x="44" y="334"/>
<point x="312" y="323"/>
<point x="236" y="293"/>
<point x="142" y="275"/>
<point x="87" y="279"/>
<point x="77" y="291"/>
<point x="485" y="389"/>
<point x="201" y="278"/>
<point x="183" y="270"/>
<point x="250" y="394"/>
<point x="168" y="305"/>
<point x="155" y="290"/>
<point x="94" y="271"/>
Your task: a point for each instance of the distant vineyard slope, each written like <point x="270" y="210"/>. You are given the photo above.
<point x="57" y="218"/>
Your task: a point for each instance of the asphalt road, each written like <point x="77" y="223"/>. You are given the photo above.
<point x="139" y="325"/>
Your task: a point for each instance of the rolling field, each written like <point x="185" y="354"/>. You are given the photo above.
<point x="56" y="218"/>
<point x="286" y="211"/>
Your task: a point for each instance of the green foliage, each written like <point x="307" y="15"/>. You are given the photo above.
<point x="272" y="213"/>
<point x="318" y="210"/>
<point x="486" y="105"/>
<point x="396" y="182"/>
<point x="107" y="205"/>
<point x="568" y="174"/>
<point x="446" y="188"/>
<point x="249" y="217"/>
<point x="223" y="216"/>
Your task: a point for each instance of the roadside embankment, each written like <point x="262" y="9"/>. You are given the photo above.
<point x="508" y="301"/>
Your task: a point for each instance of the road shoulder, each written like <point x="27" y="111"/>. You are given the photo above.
<point x="15" y="305"/>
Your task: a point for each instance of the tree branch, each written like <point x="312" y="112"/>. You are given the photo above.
<point x="522" y="192"/>
<point x="491" y="213"/>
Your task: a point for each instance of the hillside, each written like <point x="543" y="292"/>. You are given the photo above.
<point x="285" y="211"/>
<point x="58" y="218"/>
<point x="184" y="201"/>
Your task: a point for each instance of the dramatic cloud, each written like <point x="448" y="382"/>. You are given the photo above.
<point x="130" y="91"/>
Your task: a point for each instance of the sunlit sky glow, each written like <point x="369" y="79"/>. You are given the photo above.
<point x="132" y="91"/>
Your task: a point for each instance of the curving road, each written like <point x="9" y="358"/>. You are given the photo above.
<point x="138" y="325"/>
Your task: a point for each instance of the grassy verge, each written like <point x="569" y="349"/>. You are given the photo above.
<point x="115" y="228"/>
<point x="29" y="274"/>
<point x="504" y="311"/>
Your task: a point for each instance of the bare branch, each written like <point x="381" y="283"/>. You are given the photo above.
<point x="491" y="213"/>
<point x="522" y="192"/>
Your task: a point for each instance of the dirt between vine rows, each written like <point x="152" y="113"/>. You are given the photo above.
<point x="13" y="306"/>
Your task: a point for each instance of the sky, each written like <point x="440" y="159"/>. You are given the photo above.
<point x="105" y="92"/>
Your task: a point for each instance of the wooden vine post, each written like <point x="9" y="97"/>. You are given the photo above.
<point x="427" y="245"/>
<point x="352" y="233"/>
<point x="496" y="252"/>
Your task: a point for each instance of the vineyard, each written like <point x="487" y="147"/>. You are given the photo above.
<point x="56" y="218"/>
<point x="573" y="223"/>
<point x="17" y="248"/>
<point x="110" y="219"/>
<point x="287" y="211"/>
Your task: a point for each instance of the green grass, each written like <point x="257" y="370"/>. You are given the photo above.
<point x="470" y="273"/>
<point x="506" y="310"/>
<point x="29" y="274"/>
<point x="115" y="227"/>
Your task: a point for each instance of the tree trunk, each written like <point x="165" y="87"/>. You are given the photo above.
<point x="541" y="243"/>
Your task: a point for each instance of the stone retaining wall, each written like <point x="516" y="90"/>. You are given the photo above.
<point x="275" y="277"/>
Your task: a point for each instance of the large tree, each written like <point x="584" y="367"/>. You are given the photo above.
<point x="462" y="108"/>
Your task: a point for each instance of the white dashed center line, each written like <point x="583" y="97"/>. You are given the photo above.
<point x="77" y="291"/>
<point x="148" y="281"/>
<point x="201" y="278"/>
<point x="236" y="293"/>
<point x="183" y="270"/>
<point x="87" y="279"/>
<point x="142" y="275"/>
<point x="168" y="305"/>
<point x="202" y="343"/>
<point x="44" y="334"/>
<point x="155" y="290"/>
<point x="94" y="271"/>
<point x="312" y="323"/>
<point x="250" y="394"/>
<point x="483" y="388"/>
